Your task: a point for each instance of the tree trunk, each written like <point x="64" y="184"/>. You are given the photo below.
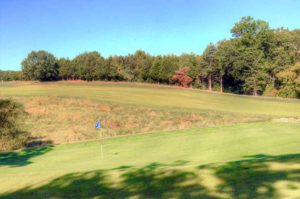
<point x="209" y="83"/>
<point x="273" y="80"/>
<point x="221" y="85"/>
<point x="255" y="91"/>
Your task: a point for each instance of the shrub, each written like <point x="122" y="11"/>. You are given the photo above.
<point x="11" y="134"/>
<point x="181" y="76"/>
<point x="270" y="91"/>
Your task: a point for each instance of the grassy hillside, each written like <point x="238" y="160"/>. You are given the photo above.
<point x="259" y="160"/>
<point x="239" y="151"/>
<point x="155" y="96"/>
<point x="63" y="112"/>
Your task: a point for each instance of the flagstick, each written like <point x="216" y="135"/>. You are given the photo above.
<point x="101" y="153"/>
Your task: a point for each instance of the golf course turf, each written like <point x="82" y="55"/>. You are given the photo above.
<point x="257" y="159"/>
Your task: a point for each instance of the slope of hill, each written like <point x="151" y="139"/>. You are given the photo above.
<point x="159" y="96"/>
<point x="67" y="111"/>
<point x="239" y="151"/>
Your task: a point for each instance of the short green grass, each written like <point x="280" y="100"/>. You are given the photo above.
<point x="162" y="97"/>
<point x="225" y="160"/>
<point x="257" y="160"/>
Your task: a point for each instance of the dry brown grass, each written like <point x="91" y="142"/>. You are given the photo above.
<point x="64" y="120"/>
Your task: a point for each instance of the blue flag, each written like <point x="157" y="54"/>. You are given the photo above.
<point x="98" y="125"/>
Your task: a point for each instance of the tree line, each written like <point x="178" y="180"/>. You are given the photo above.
<point x="257" y="60"/>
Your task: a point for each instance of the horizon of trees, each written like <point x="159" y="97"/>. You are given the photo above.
<point x="257" y="60"/>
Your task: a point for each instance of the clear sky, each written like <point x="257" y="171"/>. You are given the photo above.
<point x="69" y="27"/>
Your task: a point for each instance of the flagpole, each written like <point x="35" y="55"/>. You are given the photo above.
<point x="101" y="152"/>
<point x="98" y="126"/>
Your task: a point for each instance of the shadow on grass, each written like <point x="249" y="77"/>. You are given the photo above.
<point x="38" y="142"/>
<point x="22" y="158"/>
<point x="150" y="181"/>
<point x="254" y="177"/>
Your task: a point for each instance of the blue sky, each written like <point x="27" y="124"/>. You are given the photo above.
<point x="69" y="27"/>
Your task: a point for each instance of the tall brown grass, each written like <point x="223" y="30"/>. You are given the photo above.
<point x="67" y="119"/>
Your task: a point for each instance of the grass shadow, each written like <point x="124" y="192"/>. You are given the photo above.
<point x="22" y="158"/>
<point x="38" y="141"/>
<point x="255" y="177"/>
<point x="157" y="180"/>
<point x="150" y="181"/>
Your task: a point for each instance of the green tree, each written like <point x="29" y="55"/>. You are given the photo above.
<point x="296" y="42"/>
<point x="40" y="65"/>
<point x="249" y="62"/>
<point x="224" y="59"/>
<point x="168" y="66"/>
<point x="90" y="66"/>
<point x="290" y="81"/>
<point x="155" y="69"/>
<point x="112" y="69"/>
<point x="142" y="64"/>
<point x="66" y="70"/>
<point x="247" y="29"/>
<point x="210" y="63"/>
<point x="10" y="75"/>
<point x="281" y="54"/>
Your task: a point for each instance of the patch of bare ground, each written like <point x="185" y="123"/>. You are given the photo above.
<point x="287" y="120"/>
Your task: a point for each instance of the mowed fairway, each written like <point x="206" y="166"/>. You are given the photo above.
<point x="154" y="96"/>
<point x="247" y="160"/>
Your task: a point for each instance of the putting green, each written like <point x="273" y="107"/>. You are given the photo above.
<point x="257" y="160"/>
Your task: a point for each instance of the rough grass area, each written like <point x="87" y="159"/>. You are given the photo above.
<point x="63" y="120"/>
<point x="63" y="112"/>
<point x="257" y="160"/>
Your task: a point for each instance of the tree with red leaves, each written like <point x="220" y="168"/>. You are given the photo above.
<point x="182" y="78"/>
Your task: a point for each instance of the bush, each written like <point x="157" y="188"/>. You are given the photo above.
<point x="288" y="91"/>
<point x="270" y="91"/>
<point x="11" y="134"/>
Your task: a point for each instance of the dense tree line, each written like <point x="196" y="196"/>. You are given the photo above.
<point x="11" y="75"/>
<point x="257" y="60"/>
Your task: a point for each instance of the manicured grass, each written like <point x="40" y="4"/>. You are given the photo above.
<point x="257" y="160"/>
<point x="161" y="97"/>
